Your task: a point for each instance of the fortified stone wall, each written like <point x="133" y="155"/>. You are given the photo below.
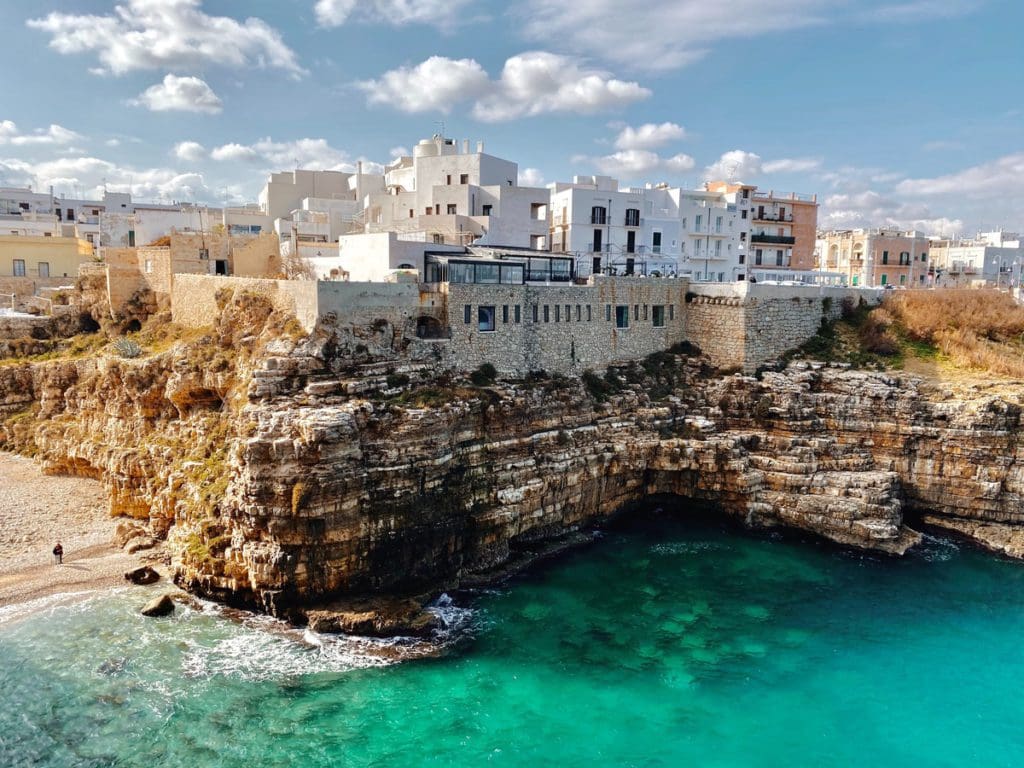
<point x="194" y="297"/>
<point x="564" y="329"/>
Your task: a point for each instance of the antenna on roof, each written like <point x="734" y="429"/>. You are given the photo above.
<point x="440" y="123"/>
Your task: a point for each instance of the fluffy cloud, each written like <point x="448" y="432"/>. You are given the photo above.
<point x="307" y="153"/>
<point x="649" y="136"/>
<point x="636" y="164"/>
<point x="189" y="151"/>
<point x="530" y="84"/>
<point x="531" y="177"/>
<point x="182" y="94"/>
<point x="873" y="209"/>
<point x="734" y="165"/>
<point x="439" y="13"/>
<point x="436" y="84"/>
<point x="55" y="135"/>
<point x="167" y="34"/>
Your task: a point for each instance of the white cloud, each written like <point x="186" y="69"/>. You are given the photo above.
<point x="538" y="82"/>
<point x="181" y="94"/>
<point x="189" y="151"/>
<point x="531" y="177"/>
<point x="302" y="153"/>
<point x="635" y="164"/>
<point x="662" y="36"/>
<point x="669" y="35"/>
<point x="396" y="152"/>
<point x="113" y="142"/>
<point x="649" y="136"/>
<point x="436" y="84"/>
<point x="167" y="34"/>
<point x="792" y="165"/>
<point x="873" y="209"/>
<point x="530" y="84"/>
<point x="735" y="165"/>
<point x="439" y="13"/>
<point x="1000" y="178"/>
<point x="234" y="153"/>
<point x="55" y="135"/>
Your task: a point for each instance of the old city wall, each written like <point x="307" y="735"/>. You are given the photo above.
<point x="194" y="297"/>
<point x="565" y="329"/>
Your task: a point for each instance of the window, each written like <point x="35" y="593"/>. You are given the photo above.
<point x="504" y="313"/>
<point x="658" y="315"/>
<point x="645" y="311"/>
<point x="149" y="266"/>
<point x="598" y="214"/>
<point x="44" y="269"/>
<point x="746" y="194"/>
<point x="538" y="211"/>
<point x="535" y="313"/>
<point x="903" y="279"/>
<point x="568" y="313"/>
<point x="588" y="313"/>
<point x="698" y="220"/>
<point x="131" y="238"/>
<point x="743" y="214"/>
<point x="632" y="217"/>
<point x="622" y="316"/>
<point x="71" y="214"/>
<point x="412" y="213"/>
<point x="758" y="256"/>
<point x="636" y="311"/>
<point x="718" y="248"/>
<point x="464" y="178"/>
<point x="88" y="237"/>
<point x="19" y="267"/>
<point x="448" y="179"/>
<point x="656" y="242"/>
<point x="608" y="312"/>
<point x="547" y="314"/>
<point x="519" y="318"/>
<point x="579" y="312"/>
<point x="718" y="224"/>
<point x="204" y="254"/>
<point x="885" y="279"/>
<point x="452" y="209"/>
<point x="671" y="311"/>
<point x="597" y="241"/>
<point x="487" y="210"/>
<point x="485" y="318"/>
<point x="743" y="257"/>
<point x="778" y="258"/>
<point x="558" y="313"/>
<point x="743" y="237"/>
<point x="467" y="314"/>
<point x="924" y="257"/>
<point x="885" y="258"/>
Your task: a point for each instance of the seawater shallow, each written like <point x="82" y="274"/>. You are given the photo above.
<point x="668" y="642"/>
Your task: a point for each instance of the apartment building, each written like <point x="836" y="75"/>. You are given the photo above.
<point x="876" y="257"/>
<point x="994" y="257"/>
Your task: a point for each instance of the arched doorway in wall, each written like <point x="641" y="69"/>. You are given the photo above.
<point x="430" y="328"/>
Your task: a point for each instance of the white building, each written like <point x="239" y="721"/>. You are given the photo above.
<point x="995" y="257"/>
<point x="652" y="229"/>
<point x="442" y="195"/>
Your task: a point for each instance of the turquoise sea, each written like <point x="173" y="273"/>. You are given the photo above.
<point x="670" y="642"/>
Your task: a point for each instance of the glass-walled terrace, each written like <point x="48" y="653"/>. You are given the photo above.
<point x="533" y="269"/>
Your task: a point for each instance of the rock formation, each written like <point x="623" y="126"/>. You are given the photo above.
<point x="287" y="471"/>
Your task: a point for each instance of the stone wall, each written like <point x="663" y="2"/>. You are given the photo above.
<point x="566" y="329"/>
<point x="23" y="287"/>
<point x="745" y="325"/>
<point x="194" y="297"/>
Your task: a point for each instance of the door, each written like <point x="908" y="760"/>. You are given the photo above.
<point x="221" y="267"/>
<point x="631" y="242"/>
<point x="596" y="267"/>
<point x="597" y="240"/>
<point x="630" y="264"/>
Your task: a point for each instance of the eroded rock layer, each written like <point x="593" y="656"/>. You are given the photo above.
<point x="290" y="471"/>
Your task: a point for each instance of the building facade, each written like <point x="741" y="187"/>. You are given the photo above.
<point x="993" y="257"/>
<point x="876" y="257"/>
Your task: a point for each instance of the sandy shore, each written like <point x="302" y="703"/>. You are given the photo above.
<point x="35" y="511"/>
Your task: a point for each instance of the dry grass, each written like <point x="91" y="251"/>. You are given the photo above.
<point x="978" y="330"/>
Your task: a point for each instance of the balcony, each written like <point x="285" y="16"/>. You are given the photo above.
<point x="771" y="217"/>
<point x="772" y="239"/>
<point x="600" y="219"/>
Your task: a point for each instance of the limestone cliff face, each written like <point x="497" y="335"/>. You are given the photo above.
<point x="286" y="472"/>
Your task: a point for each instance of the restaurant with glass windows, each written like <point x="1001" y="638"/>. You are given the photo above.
<point x="507" y="270"/>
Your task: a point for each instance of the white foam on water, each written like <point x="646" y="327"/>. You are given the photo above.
<point x="685" y="547"/>
<point x="937" y="549"/>
<point x="47" y="606"/>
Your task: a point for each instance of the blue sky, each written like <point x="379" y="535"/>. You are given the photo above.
<point x="905" y="112"/>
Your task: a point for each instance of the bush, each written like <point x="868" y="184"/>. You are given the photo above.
<point x="395" y="380"/>
<point x="127" y="348"/>
<point x="484" y="376"/>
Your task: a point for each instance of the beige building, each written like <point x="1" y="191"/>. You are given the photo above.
<point x="786" y="222"/>
<point x="42" y="256"/>
<point x="876" y="257"/>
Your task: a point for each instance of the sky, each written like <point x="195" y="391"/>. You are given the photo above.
<point x="907" y="113"/>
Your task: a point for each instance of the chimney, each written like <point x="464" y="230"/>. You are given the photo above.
<point x="359" y="167"/>
<point x="479" y="147"/>
<point x="465" y="146"/>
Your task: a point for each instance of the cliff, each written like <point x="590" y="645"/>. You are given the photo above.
<point x="286" y="471"/>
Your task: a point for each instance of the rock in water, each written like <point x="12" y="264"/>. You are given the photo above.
<point x="142" y="575"/>
<point x="160" y="606"/>
<point x="380" y="617"/>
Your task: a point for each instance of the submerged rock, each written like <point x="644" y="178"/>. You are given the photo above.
<point x="159" y="606"/>
<point x="383" y="617"/>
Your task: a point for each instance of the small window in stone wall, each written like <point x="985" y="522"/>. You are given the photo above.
<point x="558" y="313"/>
<point x="645" y="311"/>
<point x="518" y="316"/>
<point x="568" y="312"/>
<point x="588" y="313"/>
<point x="485" y="318"/>
<point x="658" y="315"/>
<point x="622" y="316"/>
<point x="467" y="314"/>
<point x="671" y="311"/>
<point x="535" y="313"/>
<point x="608" y="312"/>
<point x="636" y="312"/>
<point x="547" y="314"/>
<point x="504" y="313"/>
<point x="579" y="312"/>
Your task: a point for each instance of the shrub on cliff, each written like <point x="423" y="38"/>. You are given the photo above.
<point x="484" y="376"/>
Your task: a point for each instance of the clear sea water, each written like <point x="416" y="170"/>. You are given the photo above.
<point x="668" y="643"/>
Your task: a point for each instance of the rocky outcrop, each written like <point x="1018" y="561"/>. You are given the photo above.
<point x="289" y="472"/>
<point x="159" y="606"/>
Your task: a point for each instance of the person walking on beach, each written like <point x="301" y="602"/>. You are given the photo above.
<point x="58" y="554"/>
